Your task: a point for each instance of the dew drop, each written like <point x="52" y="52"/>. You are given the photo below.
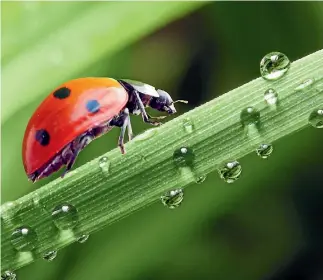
<point x="24" y="239"/>
<point x="264" y="150"/>
<point x="8" y="275"/>
<point x="184" y="157"/>
<point x="65" y="216"/>
<point x="316" y="118"/>
<point x="200" y="179"/>
<point x="172" y="199"/>
<point x="50" y="256"/>
<point x="230" y="171"/>
<point x="249" y="116"/>
<point x="271" y="97"/>
<point x="104" y="164"/>
<point x="83" y="238"/>
<point x="305" y="84"/>
<point x="188" y="125"/>
<point x="274" y="65"/>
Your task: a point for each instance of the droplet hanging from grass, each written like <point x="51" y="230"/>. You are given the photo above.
<point x="316" y="118"/>
<point x="8" y="275"/>
<point x="230" y="171"/>
<point x="83" y="238"/>
<point x="65" y="216"/>
<point x="50" y="256"/>
<point x="264" y="150"/>
<point x="24" y="239"/>
<point x="172" y="199"/>
<point x="200" y="179"/>
<point x="274" y="65"/>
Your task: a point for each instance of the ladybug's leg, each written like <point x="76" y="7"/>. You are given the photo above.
<point x="145" y="117"/>
<point x="124" y="123"/>
<point x="130" y="133"/>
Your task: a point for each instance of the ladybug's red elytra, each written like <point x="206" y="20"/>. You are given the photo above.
<point x="81" y="110"/>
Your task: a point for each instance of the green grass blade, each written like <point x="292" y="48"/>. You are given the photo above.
<point x="138" y="178"/>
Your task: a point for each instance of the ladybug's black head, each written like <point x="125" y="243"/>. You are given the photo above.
<point x="164" y="102"/>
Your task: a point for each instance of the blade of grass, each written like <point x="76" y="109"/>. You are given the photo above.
<point x="147" y="170"/>
<point x="101" y="30"/>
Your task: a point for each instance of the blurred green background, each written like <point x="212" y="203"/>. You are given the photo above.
<point x="267" y="225"/>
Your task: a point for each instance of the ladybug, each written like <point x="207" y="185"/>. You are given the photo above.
<point x="81" y="110"/>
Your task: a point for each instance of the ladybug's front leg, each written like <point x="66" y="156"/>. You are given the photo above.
<point x="123" y="121"/>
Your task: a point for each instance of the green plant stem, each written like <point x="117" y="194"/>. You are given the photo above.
<point x="138" y="178"/>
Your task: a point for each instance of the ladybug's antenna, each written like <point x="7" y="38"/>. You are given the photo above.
<point x="181" y="101"/>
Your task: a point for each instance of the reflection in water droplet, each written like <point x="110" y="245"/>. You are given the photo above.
<point x="146" y="135"/>
<point x="24" y="239"/>
<point x="305" y="84"/>
<point x="184" y="157"/>
<point x="316" y="118"/>
<point x="65" y="216"/>
<point x="50" y="256"/>
<point x="173" y="198"/>
<point x="104" y="164"/>
<point x="230" y="171"/>
<point x="200" y="179"/>
<point x="83" y="238"/>
<point x="271" y="96"/>
<point x="274" y="65"/>
<point x="8" y="275"/>
<point x="264" y="150"/>
<point x="249" y="115"/>
<point x="188" y="125"/>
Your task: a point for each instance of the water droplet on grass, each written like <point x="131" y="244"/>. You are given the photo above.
<point x="50" y="256"/>
<point x="65" y="216"/>
<point x="264" y="150"/>
<point x="183" y="157"/>
<point x="172" y="199"/>
<point x="83" y="238"/>
<point x="8" y="275"/>
<point x="104" y="164"/>
<point x="24" y="239"/>
<point x="230" y="171"/>
<point x="271" y="97"/>
<point x="305" y="84"/>
<point x="200" y="179"/>
<point x="274" y="65"/>
<point x="249" y="116"/>
<point x="316" y="118"/>
<point x="188" y="125"/>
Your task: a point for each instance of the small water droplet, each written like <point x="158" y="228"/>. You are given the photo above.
<point x="24" y="239"/>
<point x="104" y="164"/>
<point x="146" y="135"/>
<point x="184" y="157"/>
<point x="274" y="65"/>
<point x="8" y="275"/>
<point x="249" y="116"/>
<point x="230" y="171"/>
<point x="65" y="216"/>
<point x="271" y="96"/>
<point x="188" y="125"/>
<point x="200" y="179"/>
<point x="83" y="238"/>
<point x="316" y="118"/>
<point x="173" y="198"/>
<point x="50" y="256"/>
<point x="264" y="150"/>
<point x="305" y="84"/>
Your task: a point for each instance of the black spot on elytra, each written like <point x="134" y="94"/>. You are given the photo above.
<point x="93" y="106"/>
<point x="62" y="93"/>
<point x="42" y="137"/>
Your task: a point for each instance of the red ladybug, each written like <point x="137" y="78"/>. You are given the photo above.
<point x="81" y="110"/>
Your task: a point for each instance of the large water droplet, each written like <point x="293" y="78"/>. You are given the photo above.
<point x="249" y="116"/>
<point x="183" y="157"/>
<point x="24" y="239"/>
<point x="264" y="150"/>
<point x="173" y="198"/>
<point x="274" y="65"/>
<point x="271" y="97"/>
<point x="8" y="275"/>
<point x="316" y="118"/>
<point x="305" y="84"/>
<point x="200" y="179"/>
<point x="188" y="125"/>
<point x="50" y="256"/>
<point x="65" y="216"/>
<point x="104" y="164"/>
<point x="230" y="171"/>
<point x="83" y="238"/>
